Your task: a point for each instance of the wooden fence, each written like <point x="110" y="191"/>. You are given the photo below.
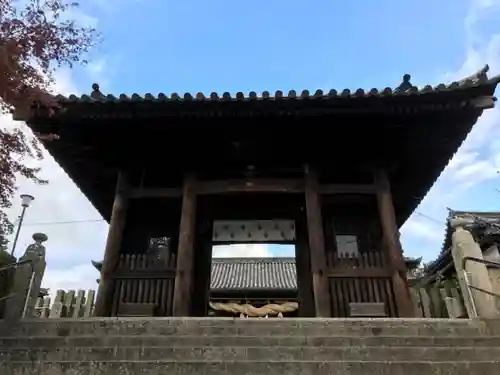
<point x="67" y="305"/>
<point x="442" y="299"/>
<point x="365" y="278"/>
<point x="144" y="284"/>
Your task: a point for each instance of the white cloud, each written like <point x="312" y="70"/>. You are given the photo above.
<point x="70" y="246"/>
<point x="56" y="207"/>
<point x="111" y="7"/>
<point x="478" y="160"/>
<point x="97" y="67"/>
<point x="81" y="17"/>
<point x="59" y="207"/>
<point x="241" y="251"/>
<point x="420" y="227"/>
<point x="80" y="277"/>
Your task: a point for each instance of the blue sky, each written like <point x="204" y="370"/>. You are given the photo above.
<point x="238" y="46"/>
<point x="166" y="46"/>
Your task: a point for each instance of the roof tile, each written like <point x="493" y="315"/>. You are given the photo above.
<point x="253" y="273"/>
<point x="405" y="88"/>
<point x="444" y="257"/>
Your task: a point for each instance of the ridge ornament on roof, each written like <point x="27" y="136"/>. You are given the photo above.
<point x="405" y="88"/>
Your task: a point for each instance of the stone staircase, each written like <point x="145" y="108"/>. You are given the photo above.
<point x="250" y="347"/>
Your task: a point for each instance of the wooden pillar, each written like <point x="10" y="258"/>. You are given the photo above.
<point x="185" y="252"/>
<point x="202" y="267"/>
<point x="112" y="249"/>
<point x="316" y="244"/>
<point x="392" y="244"/>
<point x="303" y="268"/>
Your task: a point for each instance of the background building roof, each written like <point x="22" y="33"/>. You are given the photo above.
<point x="443" y="264"/>
<point x="253" y="273"/>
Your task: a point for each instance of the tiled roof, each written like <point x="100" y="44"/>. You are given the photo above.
<point x="444" y="258"/>
<point x="253" y="273"/>
<point x="405" y="88"/>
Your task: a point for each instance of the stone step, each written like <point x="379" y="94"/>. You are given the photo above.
<point x="246" y="327"/>
<point x="251" y="368"/>
<point x="249" y="341"/>
<point x="252" y="354"/>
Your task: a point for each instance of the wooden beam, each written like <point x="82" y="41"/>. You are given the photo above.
<point x="251" y="186"/>
<point x="392" y="244"/>
<point x="332" y="189"/>
<point x="360" y="273"/>
<point x="185" y="251"/>
<point x="483" y="102"/>
<point x="144" y="274"/>
<point x="112" y="249"/>
<point x="136" y="193"/>
<point x="316" y="244"/>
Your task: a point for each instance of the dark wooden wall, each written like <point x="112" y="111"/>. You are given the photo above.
<point x="366" y="277"/>
<point x="141" y="279"/>
<point x="352" y="215"/>
<point x="149" y="218"/>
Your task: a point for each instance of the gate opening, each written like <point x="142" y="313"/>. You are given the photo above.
<point x="253" y="263"/>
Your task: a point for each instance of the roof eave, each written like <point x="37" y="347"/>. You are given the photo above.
<point x="249" y="290"/>
<point x="405" y="89"/>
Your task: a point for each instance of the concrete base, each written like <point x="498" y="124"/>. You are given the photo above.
<point x="111" y="346"/>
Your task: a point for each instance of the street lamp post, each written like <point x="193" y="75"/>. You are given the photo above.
<point x="26" y="200"/>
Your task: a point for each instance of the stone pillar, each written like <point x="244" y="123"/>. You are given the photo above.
<point x="6" y="278"/>
<point x="27" y="281"/>
<point x="464" y="245"/>
<point x="394" y="251"/>
<point x="112" y="249"/>
<point x="492" y="254"/>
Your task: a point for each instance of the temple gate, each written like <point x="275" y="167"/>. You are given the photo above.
<point x="347" y="168"/>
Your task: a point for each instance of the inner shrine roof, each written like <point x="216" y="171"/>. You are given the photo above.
<point x="253" y="273"/>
